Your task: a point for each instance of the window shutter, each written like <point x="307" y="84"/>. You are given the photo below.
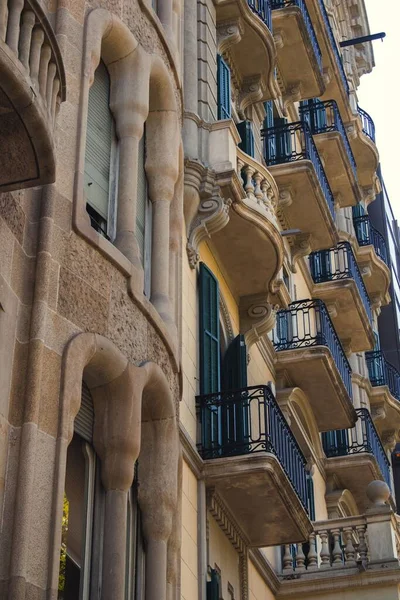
<point x="213" y="586"/>
<point x="311" y="497"/>
<point x="269" y="117"/>
<point x="359" y="210"/>
<point x="235" y="365"/>
<point x="314" y="114"/>
<point x="223" y="89"/>
<point x="335" y="443"/>
<point x="98" y="143"/>
<point x="235" y="414"/>
<point x="245" y="130"/>
<point x="84" y="420"/>
<point x="282" y="140"/>
<point x="209" y="332"/>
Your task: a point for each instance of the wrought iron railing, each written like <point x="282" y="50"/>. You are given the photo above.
<point x="383" y="373"/>
<point x="325" y="116"/>
<point x="339" y="263"/>
<point x="368" y="125"/>
<point x="363" y="437"/>
<point x="262" y="8"/>
<point x="338" y="56"/>
<point x="246" y="421"/>
<point x="308" y="23"/>
<point x="293" y="142"/>
<point x="367" y="235"/>
<point x="307" y="323"/>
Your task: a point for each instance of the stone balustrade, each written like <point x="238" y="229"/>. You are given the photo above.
<point x="349" y="542"/>
<point x="257" y="183"/>
<point x="27" y="33"/>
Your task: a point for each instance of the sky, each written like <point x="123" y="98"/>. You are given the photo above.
<point x="379" y="92"/>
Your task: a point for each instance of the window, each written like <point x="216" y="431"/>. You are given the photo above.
<point x="144" y="216"/>
<point x="101" y="156"/>
<point x="223" y="88"/>
<point x="83" y="511"/>
<point x="214" y="585"/>
<point x="245" y="129"/>
<point x="135" y="555"/>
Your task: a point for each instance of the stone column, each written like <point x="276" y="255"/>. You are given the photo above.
<point x="164" y="10"/>
<point x="190" y="87"/>
<point x="130" y="105"/>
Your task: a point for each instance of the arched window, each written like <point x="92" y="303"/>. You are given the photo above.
<point x="144" y="216"/>
<point x="101" y="156"/>
<point x="83" y="511"/>
<point x="135" y="555"/>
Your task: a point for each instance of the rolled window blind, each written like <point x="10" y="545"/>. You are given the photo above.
<point x="84" y="420"/>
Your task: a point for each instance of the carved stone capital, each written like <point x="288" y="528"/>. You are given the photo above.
<point x="378" y="412"/>
<point x="257" y="317"/>
<point x="252" y="91"/>
<point x="301" y="247"/>
<point x="212" y="215"/>
<point x="229" y="33"/>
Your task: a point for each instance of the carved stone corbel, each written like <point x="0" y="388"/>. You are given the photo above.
<point x="376" y="302"/>
<point x="257" y="317"/>
<point x="285" y="198"/>
<point x="229" y="33"/>
<point x="212" y="215"/>
<point x="327" y="75"/>
<point x="293" y="94"/>
<point x="378" y="412"/>
<point x="251" y="91"/>
<point x="301" y="247"/>
<point x="389" y="439"/>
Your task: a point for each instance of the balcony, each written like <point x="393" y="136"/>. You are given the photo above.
<point x="306" y="197"/>
<point x="244" y="29"/>
<point x="364" y="148"/>
<point x="254" y="464"/>
<point x="330" y="137"/>
<point x="337" y="86"/>
<point x="356" y="457"/>
<point x="383" y="373"/>
<point x="310" y="356"/>
<point x="32" y="85"/>
<point x="340" y="285"/>
<point x="299" y="55"/>
<point x="373" y="258"/>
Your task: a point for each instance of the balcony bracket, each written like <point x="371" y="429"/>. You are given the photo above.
<point x="212" y="215"/>
<point x="252" y="91"/>
<point x="389" y="439"/>
<point x="229" y="33"/>
<point x="257" y="317"/>
<point x="300" y="248"/>
<point x="378" y="412"/>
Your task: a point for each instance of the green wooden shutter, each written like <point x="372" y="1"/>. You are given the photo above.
<point x="245" y="129"/>
<point x="98" y="144"/>
<point x="269" y="141"/>
<point x="210" y="379"/>
<point x="311" y="497"/>
<point x="234" y="366"/>
<point x="282" y="140"/>
<point x="269" y="117"/>
<point x="223" y="89"/>
<point x="213" y="586"/>
<point x="314" y="114"/>
<point x="235" y="413"/>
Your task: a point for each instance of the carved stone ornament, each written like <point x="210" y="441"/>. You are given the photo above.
<point x="389" y="439"/>
<point x="301" y="247"/>
<point x="378" y="412"/>
<point x="293" y="94"/>
<point x="257" y="318"/>
<point x="212" y="215"/>
<point x="252" y="90"/>
<point x="229" y="33"/>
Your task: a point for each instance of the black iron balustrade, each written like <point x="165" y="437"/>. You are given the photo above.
<point x="338" y="56"/>
<point x="339" y="263"/>
<point x="308" y="23"/>
<point x="383" y="373"/>
<point x="262" y="8"/>
<point x="368" y="126"/>
<point x="306" y="323"/>
<point x="293" y="142"/>
<point x="246" y="421"/>
<point x="363" y="437"/>
<point x="323" y="116"/>
<point x="367" y="235"/>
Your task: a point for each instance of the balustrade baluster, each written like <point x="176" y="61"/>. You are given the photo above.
<point x="240" y="165"/>
<point x="300" y="559"/>
<point x="312" y="554"/>
<point x="36" y="47"/>
<point x="349" y="551"/>
<point x="249" y="186"/>
<point x="287" y="560"/>
<point x="337" y="557"/>
<point x="324" y="554"/>
<point x="362" y="544"/>
<point x="13" y="26"/>
<point x="28" y="22"/>
<point x="3" y="19"/>
<point x="257" y="190"/>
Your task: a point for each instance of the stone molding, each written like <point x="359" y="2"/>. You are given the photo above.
<point x="257" y="318"/>
<point x="228" y="33"/>
<point x="300" y="248"/>
<point x="225" y="520"/>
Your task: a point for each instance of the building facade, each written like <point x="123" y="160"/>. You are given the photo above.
<point x="192" y="400"/>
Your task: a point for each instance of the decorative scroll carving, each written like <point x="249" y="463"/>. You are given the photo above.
<point x="229" y="33"/>
<point x="293" y="94"/>
<point x="301" y="247"/>
<point x="389" y="439"/>
<point x="257" y="317"/>
<point x="212" y="215"/>
<point x="378" y="412"/>
<point x="252" y="91"/>
<point x="285" y="197"/>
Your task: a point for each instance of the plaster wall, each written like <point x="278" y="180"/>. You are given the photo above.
<point x="222" y="553"/>
<point x="258" y="589"/>
<point x="189" y="569"/>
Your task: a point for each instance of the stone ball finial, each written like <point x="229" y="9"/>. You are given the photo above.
<point x="378" y="492"/>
